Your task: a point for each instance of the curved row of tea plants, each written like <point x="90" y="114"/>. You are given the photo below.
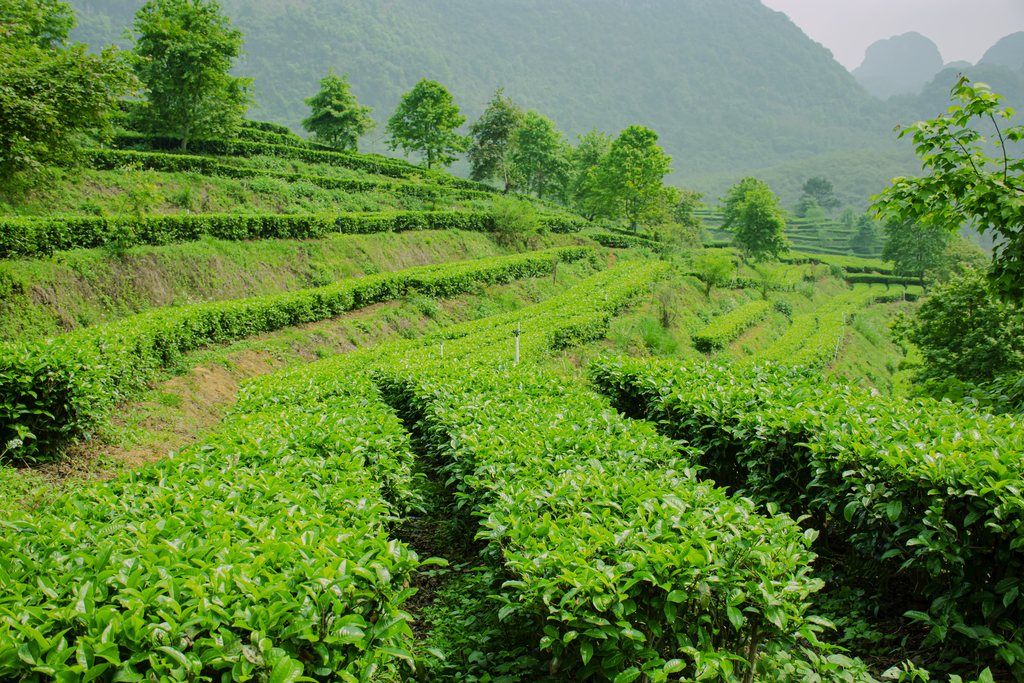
<point x="261" y="554"/>
<point x="53" y="390"/>
<point x="719" y="332"/>
<point x="619" y="560"/>
<point x="34" y="236"/>
<point x="105" y="160"/>
<point x="919" y="489"/>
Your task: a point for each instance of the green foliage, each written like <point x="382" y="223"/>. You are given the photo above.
<point x="914" y="248"/>
<point x="821" y="191"/>
<point x="425" y="121"/>
<point x="336" y="119"/>
<point x="868" y="237"/>
<point x="724" y="329"/>
<point x="627" y="182"/>
<point x="620" y="241"/>
<point x="514" y="219"/>
<point x="965" y="185"/>
<point x="51" y="94"/>
<point x="962" y="332"/>
<point x="50" y="393"/>
<point x="539" y="154"/>
<point x="184" y="50"/>
<point x="714" y="268"/>
<point x="753" y="215"/>
<point x="911" y="487"/>
<point x="584" y="159"/>
<point x="492" y="140"/>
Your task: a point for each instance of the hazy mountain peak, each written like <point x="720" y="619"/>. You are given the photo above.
<point x="901" y="64"/>
<point x="1009" y="51"/>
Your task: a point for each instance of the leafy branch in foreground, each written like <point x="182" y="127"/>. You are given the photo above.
<point x="966" y="186"/>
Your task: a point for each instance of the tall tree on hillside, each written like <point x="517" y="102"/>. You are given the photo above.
<point x="627" y="183"/>
<point x="753" y="215"/>
<point x="425" y="121"/>
<point x="50" y="92"/>
<point x="539" y="153"/>
<point x="914" y="248"/>
<point x="185" y="49"/>
<point x="584" y="158"/>
<point x="867" y="239"/>
<point x="337" y="119"/>
<point x="820" y="189"/>
<point x="492" y="137"/>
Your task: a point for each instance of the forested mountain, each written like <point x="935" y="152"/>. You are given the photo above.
<point x="1009" y="51"/>
<point x="727" y="84"/>
<point x="897" y="65"/>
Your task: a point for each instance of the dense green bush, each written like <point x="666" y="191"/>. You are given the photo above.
<point x="617" y="241"/>
<point x="720" y="331"/>
<point x="916" y="489"/>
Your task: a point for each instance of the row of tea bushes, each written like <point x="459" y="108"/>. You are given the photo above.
<point x="619" y="560"/>
<point x="54" y="390"/>
<point x="719" y="332"/>
<point x="918" y="489"/>
<point x="32" y="236"/>
<point x="261" y="554"/>
<point x="110" y="159"/>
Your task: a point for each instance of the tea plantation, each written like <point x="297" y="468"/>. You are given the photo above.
<point x="491" y="451"/>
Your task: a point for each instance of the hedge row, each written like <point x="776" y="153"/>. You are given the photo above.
<point x="887" y="280"/>
<point x="617" y="241"/>
<point x="209" y="166"/>
<point x="54" y="390"/>
<point x="917" y="489"/>
<point x="264" y="553"/>
<point x="722" y="330"/>
<point x="31" y="236"/>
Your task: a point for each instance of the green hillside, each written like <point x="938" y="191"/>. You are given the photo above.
<point x="727" y="85"/>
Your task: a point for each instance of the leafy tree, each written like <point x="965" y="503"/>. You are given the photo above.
<point x="820" y="189"/>
<point x="753" y="215"/>
<point x="584" y="158"/>
<point x="337" y="119"/>
<point x="958" y="257"/>
<point x="867" y="239"/>
<point x="714" y="267"/>
<point x="965" y="186"/>
<point x="627" y="182"/>
<point x="49" y="92"/>
<point x="425" y="121"/>
<point x="539" y="153"/>
<point x="493" y="136"/>
<point x="963" y="332"/>
<point x="914" y="248"/>
<point x="184" y="50"/>
<point x="806" y="205"/>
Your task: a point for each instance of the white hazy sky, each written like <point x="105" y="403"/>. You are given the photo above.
<point x="963" y="30"/>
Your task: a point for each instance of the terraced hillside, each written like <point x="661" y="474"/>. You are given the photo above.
<point x="369" y="434"/>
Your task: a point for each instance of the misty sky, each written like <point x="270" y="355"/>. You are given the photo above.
<point x="963" y="29"/>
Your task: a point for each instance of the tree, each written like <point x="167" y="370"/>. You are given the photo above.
<point x="336" y="119"/>
<point x="627" y="182"/>
<point x="584" y="158"/>
<point x="539" y="153"/>
<point x="714" y="268"/>
<point x="184" y="49"/>
<point x="492" y="137"/>
<point x="425" y="122"/>
<point x="914" y="248"/>
<point x="821" y="190"/>
<point x="867" y="239"/>
<point x="753" y="215"/>
<point x="961" y="331"/>
<point x="49" y="92"/>
<point x="965" y="186"/>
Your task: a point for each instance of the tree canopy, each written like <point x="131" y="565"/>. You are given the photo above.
<point x="753" y="216"/>
<point x="184" y="50"/>
<point x="492" y="137"/>
<point x="50" y="92"/>
<point x="627" y="182"/>
<point x="425" y="121"/>
<point x="336" y="119"/>
<point x="914" y="248"/>
<point x="965" y="185"/>
<point x="539" y="153"/>
<point x="820" y="190"/>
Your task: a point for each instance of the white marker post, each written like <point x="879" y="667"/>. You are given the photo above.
<point x="517" y="342"/>
<point x="442" y="349"/>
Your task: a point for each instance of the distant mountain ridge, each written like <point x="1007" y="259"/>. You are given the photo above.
<point x="898" y="65"/>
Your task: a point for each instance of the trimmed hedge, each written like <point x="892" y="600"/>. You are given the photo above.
<point x="722" y="330"/>
<point x="887" y="280"/>
<point x="617" y="241"/>
<point x="30" y="236"/>
<point x="54" y="390"/>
